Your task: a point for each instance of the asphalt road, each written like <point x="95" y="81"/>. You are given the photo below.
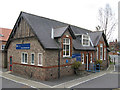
<point x="11" y="84"/>
<point x="111" y="80"/>
<point x="105" y="81"/>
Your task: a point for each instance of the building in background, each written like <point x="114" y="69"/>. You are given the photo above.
<point x="4" y="35"/>
<point x="114" y="47"/>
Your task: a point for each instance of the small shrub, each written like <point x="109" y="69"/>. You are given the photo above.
<point x="76" y="64"/>
<point x="98" y="62"/>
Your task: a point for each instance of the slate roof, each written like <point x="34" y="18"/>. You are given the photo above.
<point x="42" y="27"/>
<point x="79" y="46"/>
<point x="95" y="37"/>
<point x="59" y="31"/>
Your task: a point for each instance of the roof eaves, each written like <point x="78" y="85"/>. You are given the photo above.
<point x="84" y="49"/>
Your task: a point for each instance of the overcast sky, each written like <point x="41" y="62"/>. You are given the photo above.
<point x="81" y="13"/>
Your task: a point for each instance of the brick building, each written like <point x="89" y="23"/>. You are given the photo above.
<point x="114" y="46"/>
<point x="43" y="49"/>
<point x="4" y="35"/>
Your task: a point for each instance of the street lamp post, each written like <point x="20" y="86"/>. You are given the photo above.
<point x="114" y="64"/>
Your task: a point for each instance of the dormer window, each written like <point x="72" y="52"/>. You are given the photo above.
<point x="85" y="40"/>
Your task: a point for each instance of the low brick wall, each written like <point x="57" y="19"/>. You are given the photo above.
<point x="66" y="71"/>
<point x="29" y="72"/>
<point x="104" y="64"/>
<point x="38" y="73"/>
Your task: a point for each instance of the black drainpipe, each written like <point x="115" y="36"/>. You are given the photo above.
<point x="59" y="63"/>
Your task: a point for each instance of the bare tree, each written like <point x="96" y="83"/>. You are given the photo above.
<point x="107" y="21"/>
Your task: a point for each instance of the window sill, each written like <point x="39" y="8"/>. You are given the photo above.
<point x="24" y="63"/>
<point x="85" y="45"/>
<point x="66" y="57"/>
<point x="40" y="65"/>
<point x="32" y="64"/>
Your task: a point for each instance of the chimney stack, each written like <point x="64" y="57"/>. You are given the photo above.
<point x="52" y="33"/>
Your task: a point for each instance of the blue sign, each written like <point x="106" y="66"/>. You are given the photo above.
<point x="66" y="61"/>
<point x="23" y="46"/>
<point x="78" y="58"/>
<point x="75" y="55"/>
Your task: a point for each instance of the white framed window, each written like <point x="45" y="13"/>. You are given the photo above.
<point x="32" y="58"/>
<point x="104" y="53"/>
<point x="24" y="58"/>
<point x="85" y="40"/>
<point x="101" y="51"/>
<point x="66" y="47"/>
<point x="82" y="58"/>
<point x="40" y="59"/>
<point x="2" y="47"/>
<point x="97" y="53"/>
<point x="91" y="58"/>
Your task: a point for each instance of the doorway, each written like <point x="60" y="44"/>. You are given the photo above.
<point x="87" y="61"/>
<point x="10" y="68"/>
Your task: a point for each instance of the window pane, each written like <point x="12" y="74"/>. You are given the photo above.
<point x="97" y="53"/>
<point x="67" y="47"/>
<point x="83" y="36"/>
<point x="104" y="53"/>
<point x="63" y="40"/>
<point x="22" y="57"/>
<point x="63" y="47"/>
<point x="32" y="59"/>
<point x="40" y="59"/>
<point x="63" y="52"/>
<point x="67" y="52"/>
<point x="101" y="51"/>
<point x="91" y="56"/>
<point x="67" y="40"/>
<point x="25" y="58"/>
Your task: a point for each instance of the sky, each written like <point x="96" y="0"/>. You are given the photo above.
<point x="81" y="13"/>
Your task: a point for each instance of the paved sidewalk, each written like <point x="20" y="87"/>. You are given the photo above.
<point x="68" y="83"/>
<point x="84" y="79"/>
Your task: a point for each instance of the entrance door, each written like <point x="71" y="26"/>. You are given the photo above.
<point x="87" y="62"/>
<point x="10" y="63"/>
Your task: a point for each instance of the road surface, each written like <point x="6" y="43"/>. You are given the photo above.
<point x="110" y="80"/>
